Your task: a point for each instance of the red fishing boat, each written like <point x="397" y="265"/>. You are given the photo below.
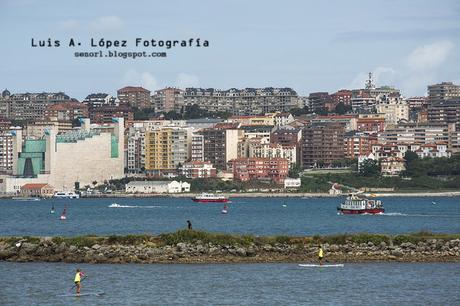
<point x="210" y="198"/>
<point x="358" y="204"/>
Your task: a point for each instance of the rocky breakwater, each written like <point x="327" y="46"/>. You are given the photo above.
<point x="201" y="247"/>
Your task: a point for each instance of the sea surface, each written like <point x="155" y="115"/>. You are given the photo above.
<point x="257" y="216"/>
<point x="232" y="284"/>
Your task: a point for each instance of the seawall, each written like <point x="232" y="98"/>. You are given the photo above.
<point x="200" y="247"/>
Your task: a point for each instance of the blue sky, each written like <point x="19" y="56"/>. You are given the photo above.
<point x="307" y="45"/>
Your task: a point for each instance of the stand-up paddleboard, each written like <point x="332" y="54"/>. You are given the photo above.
<point x="321" y="266"/>
<point x="83" y="294"/>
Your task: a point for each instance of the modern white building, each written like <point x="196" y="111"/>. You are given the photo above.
<point x="157" y="187"/>
<point x="93" y="153"/>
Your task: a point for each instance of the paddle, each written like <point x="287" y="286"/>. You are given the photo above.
<point x="84" y="277"/>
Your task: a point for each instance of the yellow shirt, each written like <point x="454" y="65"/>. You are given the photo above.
<point x="77" y="277"/>
<point x="320" y="252"/>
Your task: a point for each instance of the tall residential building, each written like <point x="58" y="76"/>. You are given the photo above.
<point x="221" y="143"/>
<point x="322" y="143"/>
<point x="247" y="101"/>
<point x="135" y="162"/>
<point x="394" y="107"/>
<point x="70" y="160"/>
<point x="445" y="111"/>
<point x="318" y="100"/>
<point x="168" y="99"/>
<point x="6" y="152"/>
<point x="358" y="143"/>
<point x="134" y="96"/>
<point x="417" y="133"/>
<point x="29" y="106"/>
<point x="165" y="149"/>
<point x="275" y="169"/>
<point x="342" y="96"/>
<point x="197" y="152"/>
<point x="442" y="92"/>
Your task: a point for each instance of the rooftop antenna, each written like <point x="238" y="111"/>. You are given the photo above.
<point x="369" y="83"/>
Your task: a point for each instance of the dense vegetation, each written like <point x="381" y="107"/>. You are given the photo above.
<point x="421" y="174"/>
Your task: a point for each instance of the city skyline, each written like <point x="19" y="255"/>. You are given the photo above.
<point x="251" y="45"/>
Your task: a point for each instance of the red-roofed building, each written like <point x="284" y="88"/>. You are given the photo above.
<point x="37" y="190"/>
<point x="105" y="113"/>
<point x="370" y="124"/>
<point x="342" y="96"/>
<point x="67" y="111"/>
<point x="135" y="96"/>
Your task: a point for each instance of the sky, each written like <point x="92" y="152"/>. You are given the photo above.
<point x="307" y="45"/>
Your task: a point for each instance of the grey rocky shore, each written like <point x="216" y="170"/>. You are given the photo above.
<point x="154" y="250"/>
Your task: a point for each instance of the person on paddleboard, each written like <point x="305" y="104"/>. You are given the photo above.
<point x="78" y="276"/>
<point x="320" y="254"/>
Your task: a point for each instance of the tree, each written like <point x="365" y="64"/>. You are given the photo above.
<point x="172" y="115"/>
<point x="369" y="167"/>
<point x="295" y="171"/>
<point x="341" y="108"/>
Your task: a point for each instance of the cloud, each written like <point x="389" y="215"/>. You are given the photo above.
<point x="185" y="80"/>
<point x="101" y="24"/>
<point x="144" y="79"/>
<point x="380" y="75"/>
<point x="414" y="72"/>
<point x="106" y="24"/>
<point x="429" y="56"/>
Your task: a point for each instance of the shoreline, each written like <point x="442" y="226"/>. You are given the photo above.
<point x="195" y="247"/>
<point x="264" y="195"/>
<point x="282" y="195"/>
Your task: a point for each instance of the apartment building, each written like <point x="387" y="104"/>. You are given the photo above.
<point x="275" y="169"/>
<point x="322" y="143"/>
<point x="134" y="96"/>
<point x="247" y="101"/>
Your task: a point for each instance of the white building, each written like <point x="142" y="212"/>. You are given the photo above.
<point x="6" y="153"/>
<point x="292" y="183"/>
<point x="394" y="107"/>
<point x="261" y="147"/>
<point x="93" y="153"/>
<point x="135" y="162"/>
<point x="157" y="187"/>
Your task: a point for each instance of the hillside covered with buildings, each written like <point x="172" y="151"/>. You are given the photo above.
<point x="250" y="139"/>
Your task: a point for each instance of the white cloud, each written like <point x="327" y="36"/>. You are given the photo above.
<point x="429" y="56"/>
<point x="144" y="79"/>
<point x="415" y="72"/>
<point x="101" y="24"/>
<point x="187" y="80"/>
<point x="380" y="75"/>
<point x="106" y="24"/>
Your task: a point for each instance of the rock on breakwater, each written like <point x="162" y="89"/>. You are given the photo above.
<point x="201" y="247"/>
